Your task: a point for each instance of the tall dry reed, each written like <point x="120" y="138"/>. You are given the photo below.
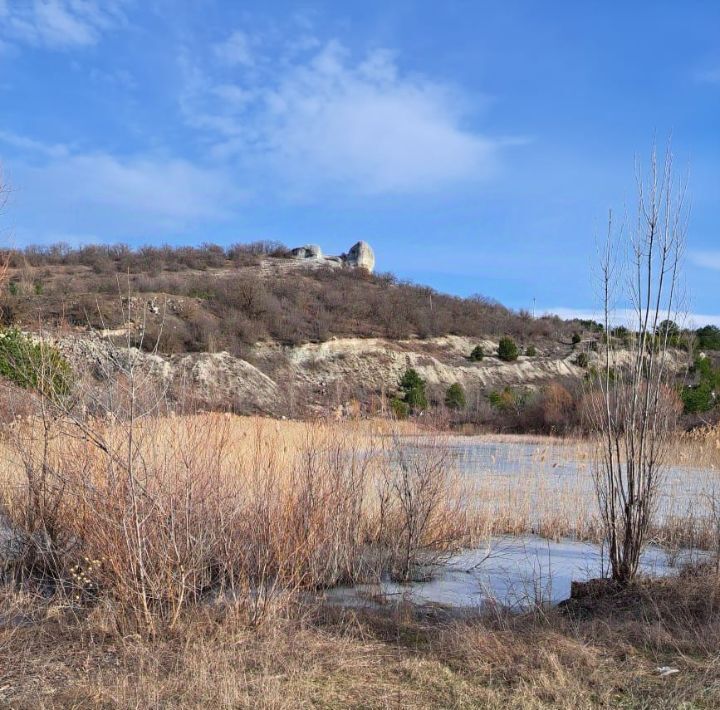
<point x="193" y="506"/>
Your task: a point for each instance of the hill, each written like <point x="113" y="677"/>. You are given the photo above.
<point x="255" y="329"/>
<point x="212" y="299"/>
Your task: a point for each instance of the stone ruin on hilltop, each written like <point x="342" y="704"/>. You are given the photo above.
<point x="359" y="255"/>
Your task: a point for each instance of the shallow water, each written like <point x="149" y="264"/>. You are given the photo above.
<point x="536" y="480"/>
<point x="516" y="572"/>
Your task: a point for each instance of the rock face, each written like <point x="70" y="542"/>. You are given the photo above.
<point x="309" y="251"/>
<point x="360" y="256"/>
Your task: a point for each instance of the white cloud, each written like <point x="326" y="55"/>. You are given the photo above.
<point x="235" y="50"/>
<point x="24" y="143"/>
<point x="364" y="127"/>
<point x="168" y="190"/>
<point x="624" y="316"/>
<point x="59" y="24"/>
<point x="706" y="259"/>
<point x="92" y="190"/>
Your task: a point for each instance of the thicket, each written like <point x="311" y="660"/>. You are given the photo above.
<point x="708" y="337"/>
<point x="33" y="365"/>
<point x="210" y="298"/>
<point x="702" y="395"/>
<point x="557" y="408"/>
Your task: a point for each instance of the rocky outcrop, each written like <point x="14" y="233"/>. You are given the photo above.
<point x="219" y="379"/>
<point x="359" y="256"/>
<point x="314" y="375"/>
<point x="376" y="364"/>
<point x="309" y="251"/>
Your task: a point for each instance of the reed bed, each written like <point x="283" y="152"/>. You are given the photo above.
<point x="546" y="487"/>
<point x="155" y="515"/>
<point x="162" y="514"/>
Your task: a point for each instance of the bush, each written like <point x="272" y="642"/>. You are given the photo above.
<point x="531" y="351"/>
<point x="576" y="338"/>
<point x="703" y="396"/>
<point x="413" y="388"/>
<point x="698" y="398"/>
<point x="507" y="349"/>
<point x="33" y="365"/>
<point x="399" y="408"/>
<point x="505" y="400"/>
<point x="455" y="397"/>
<point x="582" y="360"/>
<point x="557" y="408"/>
<point x="708" y="337"/>
<point x="477" y="353"/>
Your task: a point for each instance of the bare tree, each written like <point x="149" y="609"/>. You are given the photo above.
<point x="3" y="189"/>
<point x="635" y="407"/>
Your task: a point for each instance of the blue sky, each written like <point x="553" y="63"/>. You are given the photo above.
<point x="476" y="145"/>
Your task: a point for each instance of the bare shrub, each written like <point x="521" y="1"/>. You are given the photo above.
<point x="421" y="520"/>
<point x="301" y="306"/>
<point x="632" y="409"/>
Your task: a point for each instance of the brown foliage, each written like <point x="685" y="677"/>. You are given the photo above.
<point x="242" y="301"/>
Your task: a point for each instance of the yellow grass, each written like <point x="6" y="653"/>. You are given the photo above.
<point x="200" y="607"/>
<point x="157" y="514"/>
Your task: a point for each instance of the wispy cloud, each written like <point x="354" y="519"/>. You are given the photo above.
<point x="147" y="190"/>
<point x="59" y="24"/>
<point x="170" y="191"/>
<point x="28" y="145"/>
<point x="706" y="259"/>
<point x="235" y="50"/>
<point x="322" y="120"/>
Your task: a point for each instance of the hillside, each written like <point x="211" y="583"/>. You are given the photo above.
<point x="252" y="329"/>
<point x="210" y="299"/>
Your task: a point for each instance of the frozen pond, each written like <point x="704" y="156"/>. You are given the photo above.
<point x="551" y="478"/>
<point x="530" y="487"/>
<point x="515" y="572"/>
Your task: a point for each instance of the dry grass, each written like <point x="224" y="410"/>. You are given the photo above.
<point x="605" y="654"/>
<point x="545" y="486"/>
<point x="700" y="447"/>
<point x="158" y="515"/>
<point x="201" y="606"/>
